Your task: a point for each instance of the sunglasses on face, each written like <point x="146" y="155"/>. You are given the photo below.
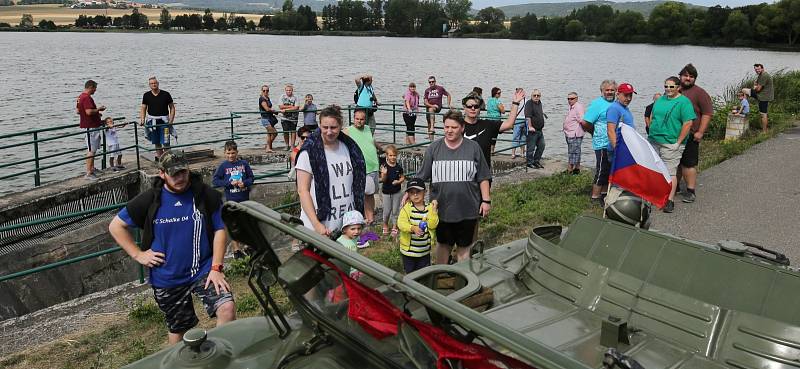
<point x="472" y="106"/>
<point x="431" y="81"/>
<point x="572" y="98"/>
<point x="303" y="137"/>
<point x="536" y="95"/>
<point x="670" y="87"/>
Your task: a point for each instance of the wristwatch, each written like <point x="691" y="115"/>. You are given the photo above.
<point x="487" y="201"/>
<point x="217" y="267"/>
<point x="515" y="103"/>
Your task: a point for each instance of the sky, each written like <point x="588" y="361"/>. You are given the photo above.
<point x="478" y="4"/>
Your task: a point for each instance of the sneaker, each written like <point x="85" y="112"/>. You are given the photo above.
<point x="90" y="177"/>
<point x="689" y="197"/>
<point x="238" y="254"/>
<point x="538" y="165"/>
<point x="394" y="232"/>
<point x="576" y="171"/>
<point x="670" y="207"/>
<point x="597" y="201"/>
<point x="120" y="167"/>
<point x="530" y="166"/>
<point x="295" y="248"/>
<point x="96" y="171"/>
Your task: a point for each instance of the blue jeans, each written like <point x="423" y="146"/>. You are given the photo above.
<point x="535" y="144"/>
<point x="520" y="131"/>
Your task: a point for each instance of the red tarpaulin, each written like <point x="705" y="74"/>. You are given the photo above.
<point x="378" y="317"/>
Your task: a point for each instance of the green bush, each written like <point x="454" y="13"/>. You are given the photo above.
<point x="238" y="267"/>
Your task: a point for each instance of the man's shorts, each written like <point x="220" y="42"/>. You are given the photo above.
<point x="372" y="183"/>
<point x="670" y="154"/>
<point x="436" y="109"/>
<point x="602" y="167"/>
<point x="93" y="139"/>
<point x="157" y="131"/>
<point x="461" y="234"/>
<point x="176" y="303"/>
<point x="763" y="106"/>
<point x="520" y="132"/>
<point x="691" y="154"/>
<point x="574" y="150"/>
<point x="289" y="125"/>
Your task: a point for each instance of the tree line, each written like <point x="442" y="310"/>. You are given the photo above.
<point x="670" y="22"/>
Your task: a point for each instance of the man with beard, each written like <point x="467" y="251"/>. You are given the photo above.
<point x="595" y="122"/>
<point x="703" y="109"/>
<point x="183" y="244"/>
<point x="763" y="91"/>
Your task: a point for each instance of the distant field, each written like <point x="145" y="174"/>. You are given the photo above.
<point x="63" y="16"/>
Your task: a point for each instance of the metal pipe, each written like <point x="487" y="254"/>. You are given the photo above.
<point x="36" y="177"/>
<point x="61" y="217"/>
<point x="58" y="264"/>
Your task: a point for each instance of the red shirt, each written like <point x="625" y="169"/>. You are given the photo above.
<point x="701" y="102"/>
<point x="85" y="101"/>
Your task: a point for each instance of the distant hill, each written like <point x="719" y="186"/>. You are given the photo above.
<point x="563" y="9"/>
<point x="252" y="6"/>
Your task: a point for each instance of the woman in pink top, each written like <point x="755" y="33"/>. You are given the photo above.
<point x="573" y="132"/>
<point x="410" y="109"/>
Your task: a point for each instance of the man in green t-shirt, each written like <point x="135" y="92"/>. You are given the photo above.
<point x="763" y="90"/>
<point x="366" y="142"/>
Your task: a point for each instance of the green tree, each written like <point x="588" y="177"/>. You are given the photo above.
<point x="430" y="18"/>
<point x="790" y="10"/>
<point x="400" y="16"/>
<point x="669" y="22"/>
<point x="714" y="18"/>
<point x="221" y="23"/>
<point x="239" y="23"/>
<point x="208" y="19"/>
<point x="308" y="18"/>
<point x="625" y="26"/>
<point x="47" y="24"/>
<point x="329" y="17"/>
<point x="165" y="19"/>
<point x="523" y="27"/>
<point x="251" y="26"/>
<point x="574" y="30"/>
<point x="457" y="11"/>
<point x="491" y="19"/>
<point x="265" y="22"/>
<point x="375" y="14"/>
<point x="737" y="27"/>
<point x="26" y="21"/>
<point x="288" y="6"/>
<point x="594" y="17"/>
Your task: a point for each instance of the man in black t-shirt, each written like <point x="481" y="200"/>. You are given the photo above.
<point x="484" y="131"/>
<point x="157" y="115"/>
<point x="648" y="111"/>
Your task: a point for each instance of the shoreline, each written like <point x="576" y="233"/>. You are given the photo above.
<point x="766" y="47"/>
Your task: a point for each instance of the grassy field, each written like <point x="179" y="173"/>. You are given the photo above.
<point x="64" y="16"/>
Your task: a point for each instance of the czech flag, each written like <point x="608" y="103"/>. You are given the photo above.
<point x="638" y="168"/>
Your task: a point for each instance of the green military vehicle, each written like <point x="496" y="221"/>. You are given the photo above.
<point x="601" y="295"/>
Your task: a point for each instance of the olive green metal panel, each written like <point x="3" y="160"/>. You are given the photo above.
<point x="676" y="317"/>
<point x="674" y="265"/>
<point x="642" y="254"/>
<point x="656" y="353"/>
<point x="618" y="296"/>
<point x="750" y="341"/>
<point x="573" y="327"/>
<point x="731" y="282"/>
<point x="783" y="300"/>
<point x="531" y="311"/>
<point x="611" y="246"/>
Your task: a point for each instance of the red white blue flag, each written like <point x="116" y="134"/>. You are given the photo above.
<point x="638" y="168"/>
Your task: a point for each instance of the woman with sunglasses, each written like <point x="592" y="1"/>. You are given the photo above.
<point x="669" y="126"/>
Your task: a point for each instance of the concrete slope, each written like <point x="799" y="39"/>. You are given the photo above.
<point x="753" y="197"/>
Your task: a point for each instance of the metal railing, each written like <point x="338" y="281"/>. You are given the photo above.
<point x="231" y="134"/>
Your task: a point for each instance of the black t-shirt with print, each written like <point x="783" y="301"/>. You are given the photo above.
<point x="483" y="132"/>
<point x="393" y="173"/>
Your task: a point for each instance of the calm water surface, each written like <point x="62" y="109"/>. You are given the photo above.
<point x="210" y="75"/>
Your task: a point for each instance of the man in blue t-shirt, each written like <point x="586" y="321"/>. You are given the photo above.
<point x="617" y="113"/>
<point x="183" y="244"/>
<point x="595" y="122"/>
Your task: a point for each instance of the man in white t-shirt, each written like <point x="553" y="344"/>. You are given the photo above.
<point x="346" y="173"/>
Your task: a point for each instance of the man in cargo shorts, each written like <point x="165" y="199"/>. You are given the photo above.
<point x="183" y="244"/>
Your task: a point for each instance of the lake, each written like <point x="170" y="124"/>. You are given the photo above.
<point x="210" y="75"/>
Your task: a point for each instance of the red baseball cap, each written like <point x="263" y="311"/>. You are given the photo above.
<point x="626" y="88"/>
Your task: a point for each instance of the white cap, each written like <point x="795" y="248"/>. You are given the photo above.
<point x="352" y="217"/>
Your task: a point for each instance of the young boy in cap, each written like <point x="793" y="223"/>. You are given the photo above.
<point x="236" y="177"/>
<point x="417" y="223"/>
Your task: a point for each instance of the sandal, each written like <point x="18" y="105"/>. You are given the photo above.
<point x="385" y="230"/>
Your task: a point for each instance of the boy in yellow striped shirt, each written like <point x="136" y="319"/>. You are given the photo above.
<point x="417" y="223"/>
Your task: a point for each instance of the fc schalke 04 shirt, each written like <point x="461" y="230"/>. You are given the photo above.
<point x="179" y="232"/>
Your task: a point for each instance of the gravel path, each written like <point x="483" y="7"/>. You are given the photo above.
<point x="753" y="197"/>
